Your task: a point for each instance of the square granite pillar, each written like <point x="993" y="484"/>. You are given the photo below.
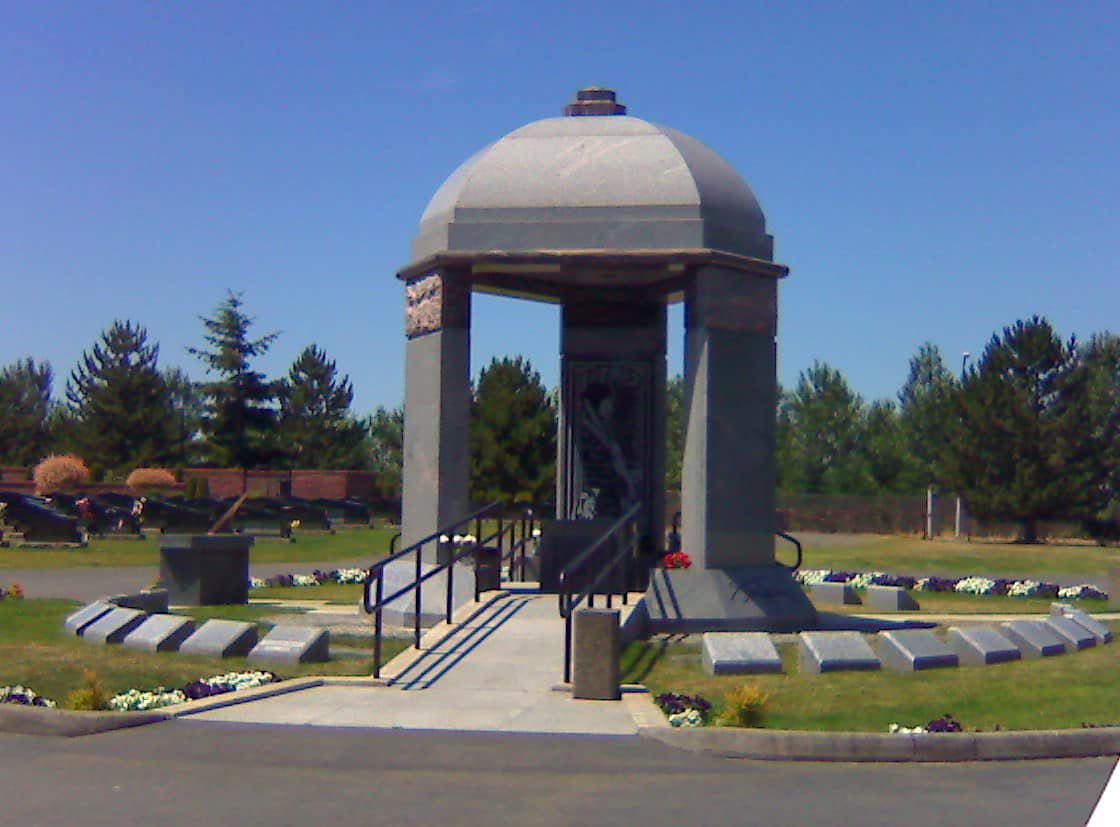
<point x="728" y="473"/>
<point x="437" y="405"/>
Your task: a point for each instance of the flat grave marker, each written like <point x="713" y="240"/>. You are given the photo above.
<point x="77" y="621"/>
<point x="890" y="599"/>
<point x="739" y="653"/>
<point x="160" y="633"/>
<point x="293" y="644"/>
<point x="835" y="651"/>
<point x="911" y="650"/>
<point x="981" y="645"/>
<point x="835" y="594"/>
<point x="114" y="625"/>
<point x="1076" y="636"/>
<point x="221" y="638"/>
<point x="1034" y="638"/>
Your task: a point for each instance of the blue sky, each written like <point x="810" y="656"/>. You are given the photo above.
<point x="930" y="171"/>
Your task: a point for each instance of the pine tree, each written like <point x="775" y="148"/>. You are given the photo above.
<point x="674" y="432"/>
<point x="513" y="435"/>
<point x="316" y="425"/>
<point x="386" y="449"/>
<point x="1024" y="444"/>
<point x="25" y="404"/>
<point x="241" y="414"/>
<point x="120" y="402"/>
<point x="927" y="413"/>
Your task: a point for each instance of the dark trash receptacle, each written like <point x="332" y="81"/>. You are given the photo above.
<point x="205" y="570"/>
<point x="488" y="568"/>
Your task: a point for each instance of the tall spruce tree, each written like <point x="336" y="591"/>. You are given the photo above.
<point x="674" y="432"/>
<point x="120" y="403"/>
<point x="513" y="434"/>
<point x="240" y="411"/>
<point x="927" y="414"/>
<point x="386" y="449"/>
<point x="1022" y="446"/>
<point x="316" y="426"/>
<point x="25" y="405"/>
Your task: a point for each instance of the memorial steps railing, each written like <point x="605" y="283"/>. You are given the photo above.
<point x="597" y="566"/>
<point x="506" y="543"/>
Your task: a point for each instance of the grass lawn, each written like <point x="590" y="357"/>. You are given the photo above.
<point x="907" y="555"/>
<point x="347" y="594"/>
<point x="360" y="544"/>
<point x="1052" y="693"/>
<point x="36" y="651"/>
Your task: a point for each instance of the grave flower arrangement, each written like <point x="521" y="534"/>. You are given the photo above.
<point x="137" y="700"/>
<point x="24" y="696"/>
<point x="316" y="578"/>
<point x="684" y="710"/>
<point x="676" y="560"/>
<point x="14" y="592"/>
<point x="962" y="585"/>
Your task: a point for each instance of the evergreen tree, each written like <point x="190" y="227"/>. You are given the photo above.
<point x="513" y="435"/>
<point x="674" y="432"/>
<point x="25" y="404"/>
<point x="189" y="407"/>
<point x="241" y="414"/>
<point x="1024" y="444"/>
<point x="884" y="448"/>
<point x="927" y="413"/>
<point x="120" y="403"/>
<point x="386" y="449"/>
<point x="822" y="447"/>
<point x="316" y="426"/>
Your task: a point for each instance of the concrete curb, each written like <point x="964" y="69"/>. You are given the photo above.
<point x="17" y="719"/>
<point x="784" y="745"/>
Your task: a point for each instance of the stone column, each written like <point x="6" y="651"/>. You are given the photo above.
<point x="728" y="476"/>
<point x="436" y="405"/>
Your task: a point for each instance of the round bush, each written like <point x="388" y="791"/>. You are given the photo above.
<point x="60" y="473"/>
<point x="144" y="478"/>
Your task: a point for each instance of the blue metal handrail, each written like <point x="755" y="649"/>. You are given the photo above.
<point x="790" y="538"/>
<point x="624" y="554"/>
<point x="375" y="578"/>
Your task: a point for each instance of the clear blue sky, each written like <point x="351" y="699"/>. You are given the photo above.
<point x="930" y="171"/>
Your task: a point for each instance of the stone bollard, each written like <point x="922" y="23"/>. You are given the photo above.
<point x="596" y="648"/>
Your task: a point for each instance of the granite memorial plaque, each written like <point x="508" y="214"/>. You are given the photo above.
<point x="160" y="633"/>
<point x="221" y="638"/>
<point x="739" y="653"/>
<point x="76" y="622"/>
<point x="911" y="650"/>
<point x="1101" y="632"/>
<point x="1076" y="636"/>
<point x="890" y="599"/>
<point x="981" y="645"/>
<point x="835" y="652"/>
<point x="114" y="625"/>
<point x="835" y="594"/>
<point x="1034" y="638"/>
<point x="293" y="644"/>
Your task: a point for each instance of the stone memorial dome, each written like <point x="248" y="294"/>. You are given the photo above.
<point x="596" y="179"/>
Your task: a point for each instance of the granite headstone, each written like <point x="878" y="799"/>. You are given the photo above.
<point x="293" y="644"/>
<point x="834" y="652"/>
<point x="911" y="650"/>
<point x="981" y="645"/>
<point x="221" y="638"/>
<point x="160" y="633"/>
<point x="739" y="653"/>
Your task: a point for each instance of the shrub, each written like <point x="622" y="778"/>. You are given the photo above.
<point x="58" y="473"/>
<point x="92" y="696"/>
<point x="145" y="478"/>
<point x="746" y="706"/>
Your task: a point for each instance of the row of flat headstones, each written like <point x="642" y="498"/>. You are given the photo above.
<point x="105" y="622"/>
<point x="1067" y="629"/>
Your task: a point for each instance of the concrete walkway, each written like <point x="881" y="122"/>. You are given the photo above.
<point x="497" y="670"/>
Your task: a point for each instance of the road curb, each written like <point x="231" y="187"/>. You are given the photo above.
<point x="17" y="719"/>
<point x="786" y="745"/>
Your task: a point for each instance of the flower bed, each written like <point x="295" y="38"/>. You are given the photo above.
<point x="962" y="585"/>
<point x="23" y="695"/>
<point x="316" y="578"/>
<point x="137" y="700"/>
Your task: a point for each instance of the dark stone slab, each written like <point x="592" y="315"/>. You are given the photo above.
<point x="746" y="599"/>
<point x="205" y="570"/>
<point x="160" y="633"/>
<point x="835" y="652"/>
<point x="889" y="599"/>
<point x="152" y="601"/>
<point x="114" y="625"/>
<point x="221" y="638"/>
<point x="835" y="594"/>
<point x="739" y="653"/>
<point x="293" y="644"/>
<point x="1034" y="638"/>
<point x="1076" y="636"/>
<point x="911" y="650"/>
<point x="981" y="645"/>
<point x="77" y="622"/>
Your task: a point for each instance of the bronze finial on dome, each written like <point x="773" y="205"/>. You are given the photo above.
<point x="594" y="100"/>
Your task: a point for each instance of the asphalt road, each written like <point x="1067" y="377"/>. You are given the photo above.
<point x="192" y="773"/>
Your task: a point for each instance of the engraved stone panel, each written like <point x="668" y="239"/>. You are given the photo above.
<point x="910" y="650"/>
<point x="221" y="638"/>
<point x="160" y="633"/>
<point x="835" y="652"/>
<point x="114" y="625"/>
<point x="293" y="644"/>
<point x="739" y="653"/>
<point x="981" y="645"/>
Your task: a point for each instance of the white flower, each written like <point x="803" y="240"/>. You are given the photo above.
<point x="809" y="577"/>
<point x="688" y="718"/>
<point x="536" y="533"/>
<point x="350" y="576"/>
<point x="1085" y="590"/>
<point x="468" y="539"/>
<point x="1023" y="588"/>
<point x="304" y="580"/>
<point x="134" y="700"/>
<point x="975" y="585"/>
<point x="257" y="583"/>
<point x="443" y="538"/>
<point x="864" y="579"/>
<point x="897" y="729"/>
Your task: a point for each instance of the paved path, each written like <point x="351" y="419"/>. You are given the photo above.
<point x="496" y="672"/>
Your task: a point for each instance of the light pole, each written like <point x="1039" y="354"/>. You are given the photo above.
<point x="960" y="515"/>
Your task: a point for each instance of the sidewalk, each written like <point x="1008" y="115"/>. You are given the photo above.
<point x="497" y="671"/>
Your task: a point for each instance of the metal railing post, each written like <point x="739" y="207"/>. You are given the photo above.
<point x="377" y="628"/>
<point x="450" y="590"/>
<point x="416" y="613"/>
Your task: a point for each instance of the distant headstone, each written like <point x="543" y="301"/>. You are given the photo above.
<point x="1101" y="632"/>
<point x="293" y="644"/>
<point x="981" y="645"/>
<point x="1034" y="638"/>
<point x="1076" y="636"/>
<point x="834" y="652"/>
<point x="835" y="594"/>
<point x="76" y="622"/>
<point x="152" y="601"/>
<point x="221" y="638"/>
<point x="205" y="570"/>
<point x="114" y="625"/>
<point x="890" y="599"/>
<point x="911" y="650"/>
<point x="739" y="653"/>
<point x="160" y="633"/>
